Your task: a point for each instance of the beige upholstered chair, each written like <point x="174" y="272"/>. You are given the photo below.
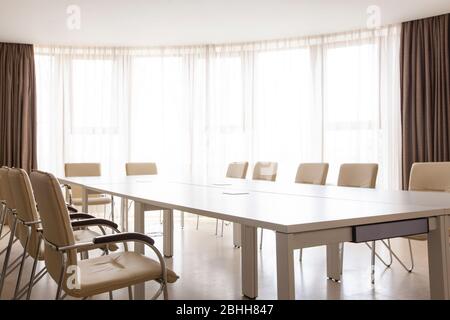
<point x="312" y="173"/>
<point x="4" y="228"/>
<point x="75" y="192"/>
<point x="360" y="175"/>
<point x="8" y="218"/>
<point x="426" y="177"/>
<point x="85" y="278"/>
<point x="265" y="171"/>
<point x="237" y="170"/>
<point x="141" y="168"/>
<point x="26" y="221"/>
<point x="138" y="169"/>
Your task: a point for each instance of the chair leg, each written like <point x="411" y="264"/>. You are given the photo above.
<point x="221" y="233"/>
<point x="182" y="219"/>
<point x="112" y="208"/>
<point x="111" y="296"/>
<point x="165" y="292"/>
<point x="2" y="221"/>
<point x="300" y="255"/>
<point x="33" y="270"/>
<point x="217" y="226"/>
<point x="409" y="269"/>
<point x="261" y="241"/>
<point x="342" y="257"/>
<point x="387" y="264"/>
<point x="198" y="220"/>
<point x="372" y="271"/>
<point x="160" y="217"/>
<point x="130" y="293"/>
<point x="8" y="254"/>
<point x="24" y="255"/>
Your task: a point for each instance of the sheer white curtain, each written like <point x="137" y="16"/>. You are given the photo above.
<point x="195" y="109"/>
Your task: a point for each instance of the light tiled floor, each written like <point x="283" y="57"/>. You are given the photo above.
<point x="209" y="268"/>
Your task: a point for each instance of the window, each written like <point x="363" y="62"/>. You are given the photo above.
<point x="351" y="105"/>
<point x="93" y="107"/>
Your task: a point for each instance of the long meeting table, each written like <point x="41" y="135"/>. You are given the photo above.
<point x="301" y="216"/>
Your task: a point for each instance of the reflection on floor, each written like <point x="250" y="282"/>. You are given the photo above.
<point x="209" y="268"/>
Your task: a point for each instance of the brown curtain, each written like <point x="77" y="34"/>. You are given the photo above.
<point x="425" y="86"/>
<point x="17" y="106"/>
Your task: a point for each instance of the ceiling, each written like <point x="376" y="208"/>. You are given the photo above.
<point x="181" y="22"/>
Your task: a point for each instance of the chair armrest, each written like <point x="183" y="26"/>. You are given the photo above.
<point x="93" y="222"/>
<point x="125" y="236"/>
<point x="80" y="215"/>
<point x="71" y="209"/>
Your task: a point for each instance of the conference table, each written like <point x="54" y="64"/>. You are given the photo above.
<point x="301" y="216"/>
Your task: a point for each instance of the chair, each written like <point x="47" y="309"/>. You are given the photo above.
<point x="360" y="175"/>
<point x="266" y="171"/>
<point x="26" y="222"/>
<point x="426" y="177"/>
<point x="3" y="213"/>
<point x="138" y="169"/>
<point x="8" y="223"/>
<point x="85" y="278"/>
<point x="311" y="173"/>
<point x="75" y="192"/>
<point x="236" y="170"/>
<point x="141" y="168"/>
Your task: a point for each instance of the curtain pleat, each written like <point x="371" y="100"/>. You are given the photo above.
<point x="17" y="106"/>
<point x="425" y="86"/>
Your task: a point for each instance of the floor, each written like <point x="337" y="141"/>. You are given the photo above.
<point x="209" y="268"/>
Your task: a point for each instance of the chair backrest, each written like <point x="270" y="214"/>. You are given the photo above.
<point x="358" y="175"/>
<point x="141" y="168"/>
<point x="237" y="170"/>
<point x="6" y="193"/>
<point x="312" y="173"/>
<point x="6" y="188"/>
<point x="265" y="171"/>
<point x="26" y="208"/>
<point x="81" y="170"/>
<point x="430" y="176"/>
<point x="56" y="225"/>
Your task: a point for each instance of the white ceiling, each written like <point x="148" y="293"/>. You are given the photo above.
<point x="179" y="22"/>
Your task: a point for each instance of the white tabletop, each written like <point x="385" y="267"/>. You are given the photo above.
<point x="263" y="204"/>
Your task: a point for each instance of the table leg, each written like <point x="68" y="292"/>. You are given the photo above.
<point x="439" y="260"/>
<point x="84" y="199"/>
<point x="139" y="226"/>
<point x="124" y="214"/>
<point x="168" y="233"/>
<point x="236" y="235"/>
<point x="182" y="219"/>
<point x="249" y="262"/>
<point x="285" y="267"/>
<point x="333" y="262"/>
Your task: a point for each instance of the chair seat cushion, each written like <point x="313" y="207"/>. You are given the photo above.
<point x="116" y="271"/>
<point x="93" y="201"/>
<point x="86" y="235"/>
<point x="419" y="237"/>
<point x="422" y="237"/>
